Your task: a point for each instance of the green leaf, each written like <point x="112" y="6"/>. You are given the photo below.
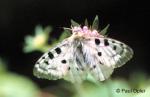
<point x="67" y="30"/>
<point x="3" y="66"/>
<point x="95" y="23"/>
<point x="38" y="29"/>
<point x="64" y="35"/>
<point x="86" y="22"/>
<point x="14" y="85"/>
<point x="104" y="31"/>
<point x="73" y="23"/>
<point x="48" y="30"/>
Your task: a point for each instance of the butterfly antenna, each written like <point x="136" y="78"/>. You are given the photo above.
<point x="65" y="28"/>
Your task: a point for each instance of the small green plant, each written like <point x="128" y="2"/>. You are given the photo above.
<point x="15" y="85"/>
<point x="40" y="40"/>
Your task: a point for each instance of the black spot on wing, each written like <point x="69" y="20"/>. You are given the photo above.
<point x="101" y="63"/>
<point x="46" y="62"/>
<point x="106" y="43"/>
<point x="37" y="63"/>
<point x="82" y="69"/>
<point x="99" y="53"/>
<point x="43" y="57"/>
<point x="50" y="55"/>
<point x="94" y="66"/>
<point x="68" y="68"/>
<point x="58" y="50"/>
<point x="97" y="41"/>
<point x="122" y="51"/>
<point x="113" y="41"/>
<point x="63" y="61"/>
<point x="121" y="44"/>
<point x="114" y="47"/>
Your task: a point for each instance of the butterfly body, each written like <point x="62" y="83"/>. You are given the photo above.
<point x="85" y="52"/>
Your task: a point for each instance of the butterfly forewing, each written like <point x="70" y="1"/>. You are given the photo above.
<point x="61" y="61"/>
<point x="53" y="64"/>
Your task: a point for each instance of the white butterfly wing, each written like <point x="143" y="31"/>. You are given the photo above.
<point x="72" y="59"/>
<point x="60" y="62"/>
<point x="104" y="54"/>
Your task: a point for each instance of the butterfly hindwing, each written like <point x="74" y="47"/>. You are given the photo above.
<point x="104" y="54"/>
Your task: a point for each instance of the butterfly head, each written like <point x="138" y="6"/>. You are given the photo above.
<point x="85" y="31"/>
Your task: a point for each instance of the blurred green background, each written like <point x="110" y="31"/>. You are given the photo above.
<point x="29" y="27"/>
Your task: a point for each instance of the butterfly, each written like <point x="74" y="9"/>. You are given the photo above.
<point x="85" y="52"/>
